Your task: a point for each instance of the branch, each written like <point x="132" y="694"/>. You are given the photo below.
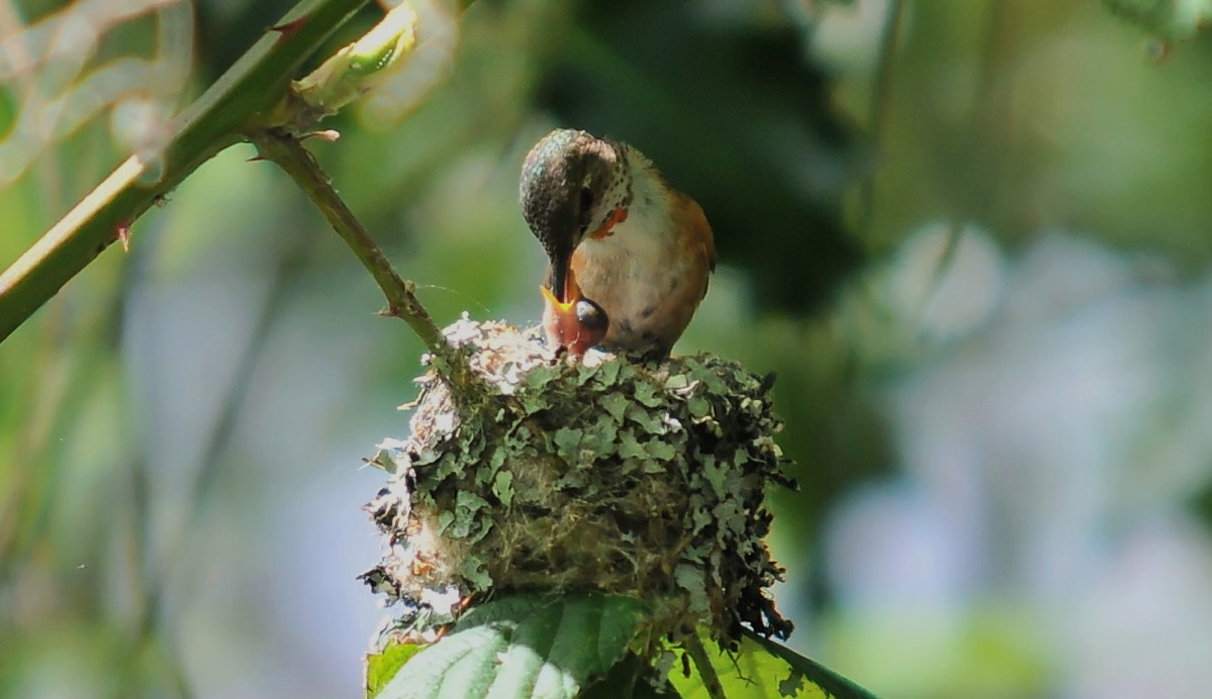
<point x="711" y="681"/>
<point x="287" y="152"/>
<point x="248" y="91"/>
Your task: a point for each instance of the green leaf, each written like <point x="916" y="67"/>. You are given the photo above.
<point x="660" y="450"/>
<point x="608" y="375"/>
<point x="381" y="667"/>
<point x="763" y="669"/>
<point x="628" y="680"/>
<point x="693" y="580"/>
<point x="523" y="646"/>
<point x="630" y="447"/>
<point x="540" y="376"/>
<point x="677" y="382"/>
<point x="567" y="440"/>
<point x="475" y="572"/>
<point x="467" y="506"/>
<point x="646" y="395"/>
<point x="650" y="422"/>
<point x="502" y="487"/>
<point x="616" y="405"/>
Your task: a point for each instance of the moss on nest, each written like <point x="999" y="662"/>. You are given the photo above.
<point x="641" y="479"/>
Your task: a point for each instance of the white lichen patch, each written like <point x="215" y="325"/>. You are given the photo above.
<point x="643" y="479"/>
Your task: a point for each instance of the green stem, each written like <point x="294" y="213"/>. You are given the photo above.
<point x="246" y="94"/>
<point x="287" y="152"/>
<point x="711" y="681"/>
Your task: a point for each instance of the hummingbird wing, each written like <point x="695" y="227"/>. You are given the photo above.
<point x="699" y="238"/>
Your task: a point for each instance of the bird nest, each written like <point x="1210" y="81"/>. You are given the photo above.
<point x="640" y="479"/>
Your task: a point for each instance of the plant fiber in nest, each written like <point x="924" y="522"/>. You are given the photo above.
<point x="641" y="479"/>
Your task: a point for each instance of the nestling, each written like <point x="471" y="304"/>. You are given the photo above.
<point x="629" y="255"/>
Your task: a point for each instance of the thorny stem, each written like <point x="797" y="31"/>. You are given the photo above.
<point x="711" y="681"/>
<point x="243" y="95"/>
<point x="287" y="152"/>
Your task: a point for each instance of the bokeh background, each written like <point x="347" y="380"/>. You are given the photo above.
<point x="971" y="237"/>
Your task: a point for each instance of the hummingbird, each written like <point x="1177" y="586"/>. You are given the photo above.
<point x="629" y="256"/>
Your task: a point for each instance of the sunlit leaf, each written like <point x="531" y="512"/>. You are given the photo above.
<point x="762" y="669"/>
<point x="381" y="667"/>
<point x="522" y="646"/>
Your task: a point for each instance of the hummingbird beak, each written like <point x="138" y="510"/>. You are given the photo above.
<point x="561" y="272"/>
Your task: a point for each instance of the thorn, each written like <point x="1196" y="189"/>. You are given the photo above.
<point x="124" y="236"/>
<point x="288" y="28"/>
<point x="328" y="135"/>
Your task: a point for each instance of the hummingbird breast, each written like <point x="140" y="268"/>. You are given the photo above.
<point x="650" y="273"/>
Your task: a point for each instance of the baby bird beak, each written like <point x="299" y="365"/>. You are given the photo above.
<point x="576" y="322"/>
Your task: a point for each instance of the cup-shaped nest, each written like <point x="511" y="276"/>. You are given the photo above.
<point x="636" y="478"/>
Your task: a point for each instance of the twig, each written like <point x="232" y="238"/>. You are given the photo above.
<point x="993" y="119"/>
<point x="698" y="654"/>
<point x="879" y="106"/>
<point x="284" y="150"/>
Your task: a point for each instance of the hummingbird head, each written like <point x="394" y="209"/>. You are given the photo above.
<point x="572" y="184"/>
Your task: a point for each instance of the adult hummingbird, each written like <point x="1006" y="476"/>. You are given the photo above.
<point x="629" y="255"/>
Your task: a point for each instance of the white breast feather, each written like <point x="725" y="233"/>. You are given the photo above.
<point x="639" y="257"/>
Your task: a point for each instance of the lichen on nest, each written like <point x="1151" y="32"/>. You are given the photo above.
<point x="641" y="479"/>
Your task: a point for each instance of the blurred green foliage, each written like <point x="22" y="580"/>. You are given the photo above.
<point x="1169" y="19"/>
<point x="180" y="428"/>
